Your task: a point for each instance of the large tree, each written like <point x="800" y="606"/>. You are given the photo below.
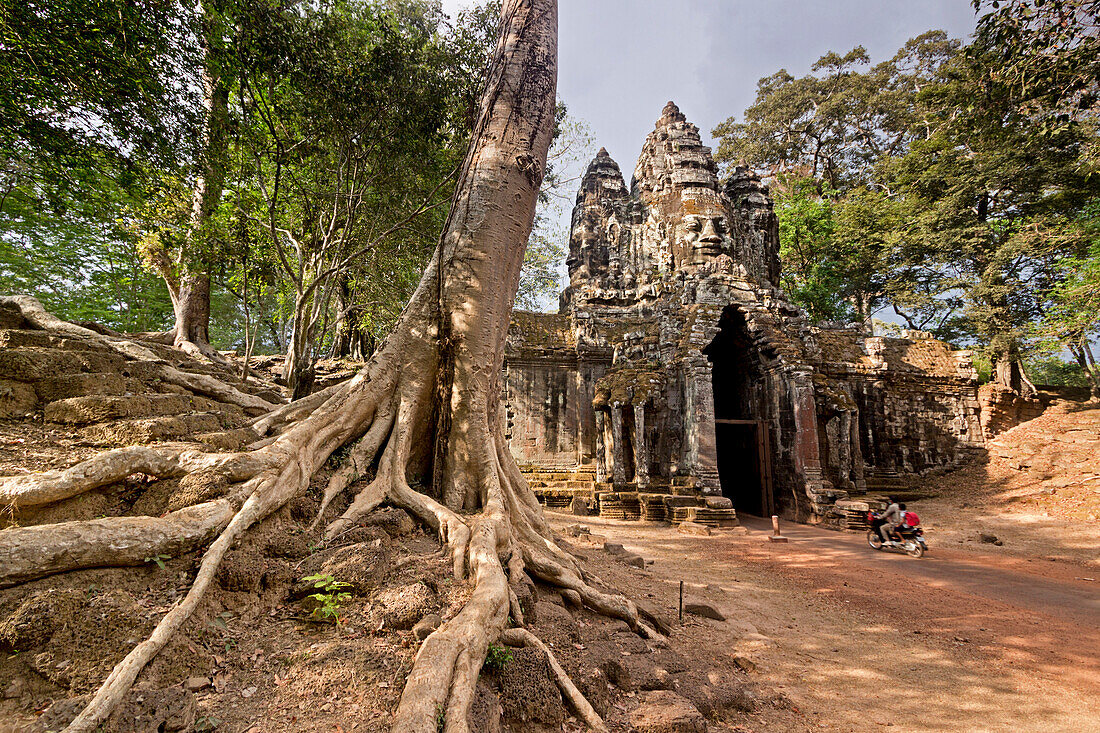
<point x="434" y="383"/>
<point x="919" y="183"/>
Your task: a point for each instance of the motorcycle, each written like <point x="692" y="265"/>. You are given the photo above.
<point x="912" y="538"/>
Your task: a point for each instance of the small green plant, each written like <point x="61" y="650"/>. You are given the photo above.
<point x="221" y="620"/>
<point x="158" y="559"/>
<point x="497" y="656"/>
<point x="330" y="595"/>
<point x="440" y="717"/>
<point x="206" y="723"/>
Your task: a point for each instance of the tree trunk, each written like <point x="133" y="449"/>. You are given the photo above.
<point x="437" y="375"/>
<point x="192" y="310"/>
<point x="298" y="370"/>
<point x="191" y="296"/>
<point x="1082" y="354"/>
<point x="1008" y="372"/>
<point x="351" y="341"/>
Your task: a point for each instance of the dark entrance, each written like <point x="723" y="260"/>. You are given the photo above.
<point x="741" y="436"/>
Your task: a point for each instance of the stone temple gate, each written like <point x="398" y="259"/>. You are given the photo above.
<point x="677" y="381"/>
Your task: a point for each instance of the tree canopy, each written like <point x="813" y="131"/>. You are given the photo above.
<point x="950" y="185"/>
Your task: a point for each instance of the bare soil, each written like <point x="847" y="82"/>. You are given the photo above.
<point x="858" y="639"/>
<point x="1037" y="492"/>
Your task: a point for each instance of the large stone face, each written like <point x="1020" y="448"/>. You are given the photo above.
<point x="677" y="369"/>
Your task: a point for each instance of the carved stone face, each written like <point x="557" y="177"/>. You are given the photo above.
<point x="705" y="235"/>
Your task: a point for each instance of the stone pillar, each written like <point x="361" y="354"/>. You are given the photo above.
<point x="807" y="454"/>
<point x="858" y="477"/>
<point x="618" y="469"/>
<point x="601" y="452"/>
<point x="641" y="449"/>
<point x="701" y="452"/>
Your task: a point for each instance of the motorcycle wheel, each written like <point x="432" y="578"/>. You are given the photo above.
<point x="874" y="539"/>
<point x="914" y="549"/>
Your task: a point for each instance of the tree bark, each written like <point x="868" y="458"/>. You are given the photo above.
<point x="1008" y="371"/>
<point x="192" y="310"/>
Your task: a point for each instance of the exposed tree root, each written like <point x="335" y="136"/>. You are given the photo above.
<point x="573" y="696"/>
<point x="201" y="352"/>
<point x="296" y="410"/>
<point x="162" y="461"/>
<point x="27" y="553"/>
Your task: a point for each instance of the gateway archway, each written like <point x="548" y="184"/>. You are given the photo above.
<point x="740" y="427"/>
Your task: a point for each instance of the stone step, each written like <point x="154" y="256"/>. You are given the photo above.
<point x="26" y="338"/>
<point x="81" y="385"/>
<point x="148" y="430"/>
<point x="570" y="485"/>
<point x="704" y="515"/>
<point x="98" y="408"/>
<point x="26" y="364"/>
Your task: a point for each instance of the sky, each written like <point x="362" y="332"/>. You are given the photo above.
<point x="621" y="60"/>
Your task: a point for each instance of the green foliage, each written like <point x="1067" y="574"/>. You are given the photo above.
<point x="806" y="226"/>
<point x="206" y="723"/>
<point x="345" y="123"/>
<point x="1045" y="53"/>
<point x="496" y="657"/>
<point x="935" y="183"/>
<point x="1071" y="310"/>
<point x="1054" y="371"/>
<point x="984" y="366"/>
<point x="159" y="560"/>
<point x="330" y="596"/>
<point x="836" y="123"/>
<point x="79" y="80"/>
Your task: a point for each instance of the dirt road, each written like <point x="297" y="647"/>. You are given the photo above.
<point x="955" y="641"/>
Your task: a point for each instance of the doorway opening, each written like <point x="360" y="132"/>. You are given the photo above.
<point x="740" y="430"/>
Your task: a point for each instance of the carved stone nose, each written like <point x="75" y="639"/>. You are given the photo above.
<point x="709" y="233"/>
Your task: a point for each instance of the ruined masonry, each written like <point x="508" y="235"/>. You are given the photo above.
<point x="677" y="381"/>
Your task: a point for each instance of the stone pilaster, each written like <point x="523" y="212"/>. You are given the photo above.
<point x="641" y="449"/>
<point x="618" y="466"/>
<point x="701" y="444"/>
<point x="601" y="448"/>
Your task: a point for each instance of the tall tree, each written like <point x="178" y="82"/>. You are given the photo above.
<point x="933" y="171"/>
<point x="1071" y="311"/>
<point x="434" y="383"/>
<point x="94" y="98"/>
<point x="348" y="145"/>
<point x="189" y="284"/>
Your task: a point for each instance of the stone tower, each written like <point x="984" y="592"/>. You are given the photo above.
<point x="675" y="218"/>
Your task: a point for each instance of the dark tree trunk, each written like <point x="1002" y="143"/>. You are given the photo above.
<point x="351" y="341"/>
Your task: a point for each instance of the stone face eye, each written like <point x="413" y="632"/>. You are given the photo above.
<point x="693" y="225"/>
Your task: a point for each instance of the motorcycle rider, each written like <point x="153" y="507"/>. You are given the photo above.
<point x="894" y="516"/>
